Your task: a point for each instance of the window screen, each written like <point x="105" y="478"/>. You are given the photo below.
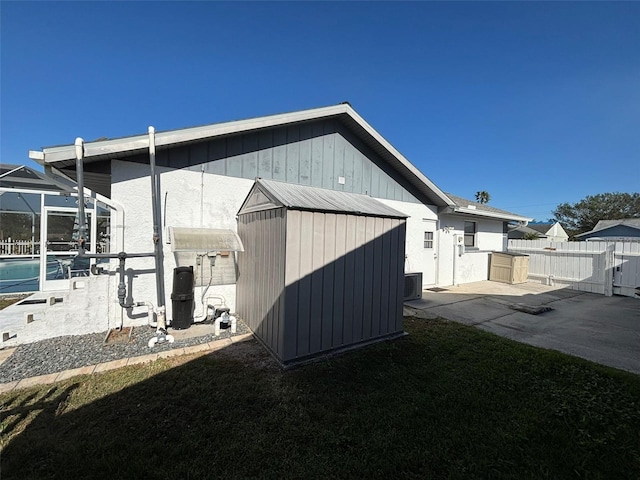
<point x="469" y="234"/>
<point x="428" y="239"/>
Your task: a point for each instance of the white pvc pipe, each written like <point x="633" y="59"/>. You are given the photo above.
<point x="204" y="315"/>
<point x="150" y="312"/>
<point x="161" y="331"/>
<point x="226" y="318"/>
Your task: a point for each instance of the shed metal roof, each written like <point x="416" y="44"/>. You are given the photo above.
<point x="302" y="197"/>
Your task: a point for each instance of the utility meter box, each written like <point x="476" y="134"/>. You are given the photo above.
<point x="508" y="267"/>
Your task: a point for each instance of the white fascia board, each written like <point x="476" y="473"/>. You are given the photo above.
<point x="28" y="190"/>
<point x="496" y="215"/>
<point x="172" y="137"/>
<point x="227" y="128"/>
<point x="36" y="155"/>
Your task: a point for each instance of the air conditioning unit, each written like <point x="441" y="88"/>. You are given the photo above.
<point x="412" y="286"/>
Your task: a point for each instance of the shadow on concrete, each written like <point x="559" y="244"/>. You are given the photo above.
<point x="602" y="329"/>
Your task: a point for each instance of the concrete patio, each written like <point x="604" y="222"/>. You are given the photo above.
<point x="602" y="329"/>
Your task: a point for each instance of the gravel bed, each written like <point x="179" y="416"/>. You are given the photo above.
<point x="74" y="351"/>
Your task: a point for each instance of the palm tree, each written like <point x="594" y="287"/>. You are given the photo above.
<point x="483" y="196"/>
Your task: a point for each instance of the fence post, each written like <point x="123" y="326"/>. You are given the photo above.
<point x="608" y="269"/>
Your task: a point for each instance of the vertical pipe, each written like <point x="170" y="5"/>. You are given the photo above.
<point x="157" y="234"/>
<point x="82" y="228"/>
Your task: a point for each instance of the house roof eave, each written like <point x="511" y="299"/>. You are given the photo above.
<point x="64" y="156"/>
<point x="486" y="214"/>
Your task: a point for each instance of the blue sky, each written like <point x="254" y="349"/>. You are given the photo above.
<point x="537" y="103"/>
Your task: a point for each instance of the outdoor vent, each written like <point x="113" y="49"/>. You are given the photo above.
<point x="412" y="286"/>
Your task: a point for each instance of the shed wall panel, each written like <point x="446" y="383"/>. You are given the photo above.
<point x="336" y="290"/>
<point x="261" y="275"/>
<point x="313" y="282"/>
<point x="339" y="304"/>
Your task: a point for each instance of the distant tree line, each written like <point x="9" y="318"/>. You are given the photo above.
<point x="583" y="216"/>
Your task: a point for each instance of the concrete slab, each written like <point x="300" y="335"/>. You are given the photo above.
<point x="472" y="312"/>
<point x="602" y="329"/>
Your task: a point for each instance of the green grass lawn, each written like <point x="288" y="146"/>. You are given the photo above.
<point x="448" y="401"/>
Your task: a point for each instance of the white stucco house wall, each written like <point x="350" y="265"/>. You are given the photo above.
<point x="205" y="174"/>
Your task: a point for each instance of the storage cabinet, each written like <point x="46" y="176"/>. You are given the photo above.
<point x="507" y="267"/>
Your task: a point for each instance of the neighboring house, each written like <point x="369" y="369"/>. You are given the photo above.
<point x="549" y="231"/>
<point x="475" y="230"/>
<point x="207" y="172"/>
<point x="624" y="229"/>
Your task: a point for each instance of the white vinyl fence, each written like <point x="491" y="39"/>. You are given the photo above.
<point x="607" y="268"/>
<point x="18" y="247"/>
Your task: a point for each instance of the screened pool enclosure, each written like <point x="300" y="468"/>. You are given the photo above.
<point x="39" y="226"/>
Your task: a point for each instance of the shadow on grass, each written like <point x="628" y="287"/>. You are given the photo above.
<point x="446" y="402"/>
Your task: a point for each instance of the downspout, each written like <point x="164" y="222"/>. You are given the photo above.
<point x="82" y="228"/>
<point x="161" y="332"/>
<point x="157" y="233"/>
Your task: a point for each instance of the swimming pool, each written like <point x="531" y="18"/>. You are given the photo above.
<point x="23" y="274"/>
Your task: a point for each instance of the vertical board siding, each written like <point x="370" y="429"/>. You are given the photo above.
<point x="351" y="292"/>
<point x="233" y="162"/>
<point x="359" y="280"/>
<point x="328" y="280"/>
<point x="293" y="154"/>
<point x="385" y="275"/>
<point x="626" y="274"/>
<point x="304" y="283"/>
<point x="595" y="267"/>
<point x="312" y="282"/>
<point x="318" y="263"/>
<point x="349" y="280"/>
<point x="265" y="155"/>
<point x="377" y="299"/>
<point x="313" y="153"/>
<point x="328" y="158"/>
<point x="292" y="271"/>
<point x="261" y="280"/>
<point x="402" y="233"/>
<point x="339" y="305"/>
<point x="369" y="266"/>
<point x="249" y="156"/>
<point x="304" y="155"/>
<point x="279" y="171"/>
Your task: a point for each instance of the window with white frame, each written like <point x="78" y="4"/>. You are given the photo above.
<point x="470" y="229"/>
<point x="428" y="239"/>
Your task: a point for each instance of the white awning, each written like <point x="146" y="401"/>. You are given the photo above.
<point x="204" y="240"/>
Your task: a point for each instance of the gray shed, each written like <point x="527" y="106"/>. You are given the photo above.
<point x="322" y="270"/>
